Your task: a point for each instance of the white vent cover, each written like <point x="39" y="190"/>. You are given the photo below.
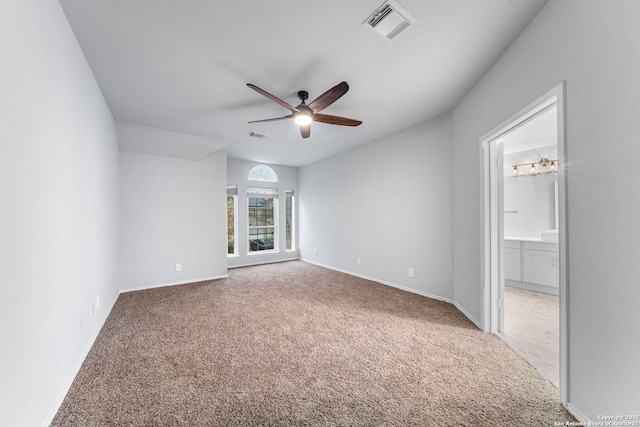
<point x="389" y="20"/>
<point x="258" y="134"/>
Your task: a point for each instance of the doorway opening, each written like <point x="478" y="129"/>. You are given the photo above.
<point x="525" y="191"/>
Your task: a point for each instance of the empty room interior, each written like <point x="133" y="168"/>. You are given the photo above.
<point x="296" y="196"/>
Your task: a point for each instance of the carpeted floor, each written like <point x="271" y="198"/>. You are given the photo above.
<point x="295" y="344"/>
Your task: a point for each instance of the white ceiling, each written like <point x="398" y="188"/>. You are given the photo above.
<point x="183" y="66"/>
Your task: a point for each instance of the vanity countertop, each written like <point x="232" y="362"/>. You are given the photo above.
<point x="523" y="239"/>
<point x="546" y="236"/>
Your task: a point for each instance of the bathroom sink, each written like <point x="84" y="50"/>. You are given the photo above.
<point x="549" y="236"/>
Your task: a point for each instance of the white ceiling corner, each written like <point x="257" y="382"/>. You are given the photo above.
<point x="142" y="139"/>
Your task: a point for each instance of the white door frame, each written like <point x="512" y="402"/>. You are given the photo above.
<point x="492" y="217"/>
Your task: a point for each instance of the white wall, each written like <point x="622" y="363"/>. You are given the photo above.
<point x="172" y="211"/>
<point x="237" y="172"/>
<point x="389" y="203"/>
<point x="595" y="47"/>
<point x="58" y="220"/>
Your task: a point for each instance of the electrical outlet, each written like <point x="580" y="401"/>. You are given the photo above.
<point x="178" y="267"/>
<point x="315" y="252"/>
<point x="358" y="261"/>
<point x="411" y="272"/>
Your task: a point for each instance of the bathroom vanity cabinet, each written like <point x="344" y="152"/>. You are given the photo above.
<point x="540" y="263"/>
<point x="513" y="260"/>
<point x="532" y="265"/>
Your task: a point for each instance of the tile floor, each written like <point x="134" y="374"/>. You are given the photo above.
<point x="531" y="321"/>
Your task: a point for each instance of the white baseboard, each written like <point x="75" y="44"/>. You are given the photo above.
<point x="468" y="315"/>
<point x="76" y="368"/>
<point x="404" y="288"/>
<point x="181" y="282"/>
<point x="583" y="419"/>
<point x="263" y="262"/>
<point x="373" y="279"/>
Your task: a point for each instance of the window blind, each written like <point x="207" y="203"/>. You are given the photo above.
<point x="266" y="193"/>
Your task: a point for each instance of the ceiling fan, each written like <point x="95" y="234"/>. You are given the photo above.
<point x="304" y="114"/>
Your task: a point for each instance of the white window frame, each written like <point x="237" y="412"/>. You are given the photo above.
<point x="293" y="219"/>
<point x="233" y="191"/>
<point x="262" y="173"/>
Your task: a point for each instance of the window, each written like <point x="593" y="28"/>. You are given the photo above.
<point x="262" y="173"/>
<point x="232" y="219"/>
<point x="262" y="219"/>
<point x="289" y="220"/>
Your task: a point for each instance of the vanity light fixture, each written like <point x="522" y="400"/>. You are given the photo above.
<point x="543" y="167"/>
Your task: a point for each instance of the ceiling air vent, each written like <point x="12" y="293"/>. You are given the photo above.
<point x="258" y="134"/>
<point x="389" y="20"/>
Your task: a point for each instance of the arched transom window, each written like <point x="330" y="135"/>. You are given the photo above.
<point x="263" y="173"/>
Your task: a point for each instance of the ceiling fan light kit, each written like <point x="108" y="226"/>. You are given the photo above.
<point x="305" y="114"/>
<point x="303" y="118"/>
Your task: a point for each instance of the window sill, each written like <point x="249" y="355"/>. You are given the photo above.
<point x="268" y="252"/>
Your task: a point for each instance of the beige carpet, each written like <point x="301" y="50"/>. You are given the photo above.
<point x="295" y="344"/>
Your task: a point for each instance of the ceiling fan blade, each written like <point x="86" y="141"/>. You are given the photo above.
<point x="329" y="97"/>
<point x="305" y="130"/>
<point x="335" y="120"/>
<point x="272" y="120"/>
<point x="271" y="97"/>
